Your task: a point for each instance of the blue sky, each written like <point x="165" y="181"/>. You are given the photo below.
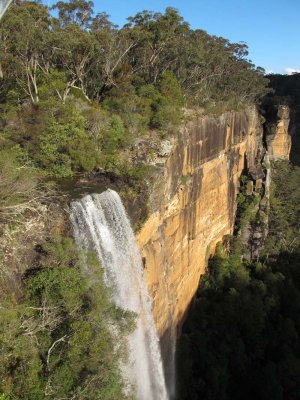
<point x="271" y="28"/>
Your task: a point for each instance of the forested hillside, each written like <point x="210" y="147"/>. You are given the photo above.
<point x="76" y="90"/>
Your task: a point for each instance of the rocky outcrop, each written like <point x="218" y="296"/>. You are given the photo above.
<point x="193" y="205"/>
<point x="278" y="132"/>
<point x="255" y="231"/>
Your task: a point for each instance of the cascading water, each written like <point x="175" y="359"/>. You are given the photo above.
<point x="100" y="223"/>
<point x="3" y="6"/>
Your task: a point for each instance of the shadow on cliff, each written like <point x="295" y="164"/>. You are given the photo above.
<point x="286" y="91"/>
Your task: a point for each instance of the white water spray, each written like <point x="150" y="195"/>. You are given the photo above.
<point x="4" y="6"/>
<point x="100" y="223"/>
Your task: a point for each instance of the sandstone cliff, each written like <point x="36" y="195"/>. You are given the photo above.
<point x="278" y="132"/>
<point x="193" y="206"/>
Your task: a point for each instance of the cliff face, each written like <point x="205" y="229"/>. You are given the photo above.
<point x="278" y="132"/>
<point x="193" y="206"/>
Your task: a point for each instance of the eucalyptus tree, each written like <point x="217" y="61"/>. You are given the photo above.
<point x="160" y="42"/>
<point x="78" y="12"/>
<point x="23" y="35"/>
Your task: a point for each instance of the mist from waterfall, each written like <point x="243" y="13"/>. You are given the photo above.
<point x="100" y="223"/>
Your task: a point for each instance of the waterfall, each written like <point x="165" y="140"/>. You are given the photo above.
<point x="100" y="223"/>
<point x="3" y="6"/>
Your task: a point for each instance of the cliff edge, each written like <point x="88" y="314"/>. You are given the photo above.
<point x="193" y="206"/>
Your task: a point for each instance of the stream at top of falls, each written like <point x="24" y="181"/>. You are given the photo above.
<point x="100" y="223"/>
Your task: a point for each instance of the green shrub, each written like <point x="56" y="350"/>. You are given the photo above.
<point x="18" y="183"/>
<point x="114" y="136"/>
<point x="132" y="106"/>
<point x="166" y="105"/>
<point x="65" y="146"/>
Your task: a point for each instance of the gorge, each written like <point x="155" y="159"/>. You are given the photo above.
<point x="149" y="211"/>
<point x="194" y="208"/>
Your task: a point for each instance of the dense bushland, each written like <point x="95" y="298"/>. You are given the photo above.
<point x="81" y="51"/>
<point x="241" y="340"/>
<point x="55" y="335"/>
<point x="76" y="90"/>
<point x="284" y="227"/>
<point x="285" y="89"/>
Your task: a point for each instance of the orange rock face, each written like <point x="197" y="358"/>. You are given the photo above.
<point x="193" y="207"/>
<point x="280" y="142"/>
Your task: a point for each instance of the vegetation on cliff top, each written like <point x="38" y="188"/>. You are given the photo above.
<point x="285" y="89"/>
<point x="76" y="90"/>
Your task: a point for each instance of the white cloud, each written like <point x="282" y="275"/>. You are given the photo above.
<point x="290" y="71"/>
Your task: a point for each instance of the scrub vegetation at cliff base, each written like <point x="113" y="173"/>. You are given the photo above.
<point x="56" y="339"/>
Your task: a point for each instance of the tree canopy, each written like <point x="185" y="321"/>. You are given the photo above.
<point x="95" y="56"/>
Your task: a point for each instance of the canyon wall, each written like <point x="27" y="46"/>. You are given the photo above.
<point x="193" y="206"/>
<point x="279" y="132"/>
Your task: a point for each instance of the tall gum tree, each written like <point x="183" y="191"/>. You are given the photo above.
<point x="22" y="44"/>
